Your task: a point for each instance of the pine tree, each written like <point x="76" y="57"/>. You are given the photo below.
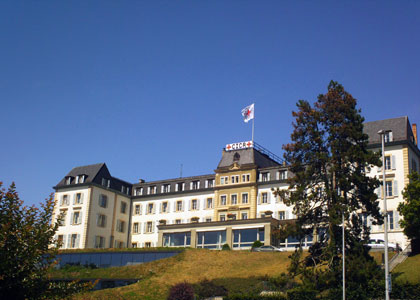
<point x="329" y="159"/>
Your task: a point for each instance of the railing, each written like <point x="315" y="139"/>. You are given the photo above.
<point x="267" y="152"/>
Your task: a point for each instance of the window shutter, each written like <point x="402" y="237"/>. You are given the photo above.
<point x="269" y="197"/>
<point x="62" y="200"/>
<point x="183" y="186"/>
<point x="81" y="198"/>
<point x="160" y="208"/>
<point x="397" y="220"/>
<point x="259" y="198"/>
<point x="68" y="240"/>
<point x="198" y="185"/>
<point x="395" y="188"/>
<point x="191" y="185"/>
<point x="378" y="191"/>
<point x="390" y="136"/>
<point x="190" y="205"/>
<point x="74" y="199"/>
<point x="183" y="205"/>
<point x="80" y="218"/>
<point x="206" y="184"/>
<point x="145" y="227"/>
<point x="260" y="177"/>
<point x="198" y="204"/>
<point x="77" y="241"/>
<point x="393" y="162"/>
<point x="153" y="226"/>
<point x="97" y="219"/>
<point x="176" y="187"/>
<point x="161" y="188"/>
<point x="287" y="215"/>
<point x="154" y="208"/>
<point x="72" y="219"/>
<point x="268" y="176"/>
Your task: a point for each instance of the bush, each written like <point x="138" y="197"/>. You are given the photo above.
<point x="226" y="247"/>
<point x="181" y="291"/>
<point x="207" y="288"/>
<point x="257" y="244"/>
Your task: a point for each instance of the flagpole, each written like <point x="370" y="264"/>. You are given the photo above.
<point x="253" y="130"/>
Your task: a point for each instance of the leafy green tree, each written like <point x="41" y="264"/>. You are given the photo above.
<point x="27" y="250"/>
<point x="410" y="210"/>
<point x="329" y="159"/>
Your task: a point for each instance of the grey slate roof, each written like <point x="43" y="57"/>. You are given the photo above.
<point x="90" y="170"/>
<point x="248" y="156"/>
<point x="400" y="127"/>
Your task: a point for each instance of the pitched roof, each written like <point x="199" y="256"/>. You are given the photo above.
<point x="90" y="171"/>
<point x="400" y="127"/>
<point x="248" y="156"/>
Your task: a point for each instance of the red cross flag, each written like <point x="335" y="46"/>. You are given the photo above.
<point x="248" y="113"/>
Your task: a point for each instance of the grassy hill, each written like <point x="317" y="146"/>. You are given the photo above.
<point x="238" y="271"/>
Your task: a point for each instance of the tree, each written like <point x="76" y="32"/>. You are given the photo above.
<point x="329" y="159"/>
<point x="27" y="250"/>
<point x="410" y="210"/>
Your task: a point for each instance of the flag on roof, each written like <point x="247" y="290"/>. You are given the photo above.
<point x="248" y="113"/>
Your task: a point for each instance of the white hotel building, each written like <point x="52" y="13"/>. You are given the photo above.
<point x="234" y="205"/>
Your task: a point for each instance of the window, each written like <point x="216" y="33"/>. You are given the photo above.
<point x="211" y="239"/>
<point x="209" y="183"/>
<point x="195" y="185"/>
<point x="224" y="180"/>
<point x="234" y="199"/>
<point x="137" y="209"/>
<point x="265" y="176"/>
<point x="149" y="227"/>
<point x="148" y="245"/>
<point x="63" y="214"/>
<point x="388" y="188"/>
<point x="77" y="179"/>
<point x="179" y="205"/>
<point x="244" y="198"/>
<point x="282" y="215"/>
<point x="194" y="204"/>
<point x="387" y="162"/>
<point x="120" y="226"/>
<point x="178" y="239"/>
<point x="135" y="227"/>
<point x="223" y="200"/>
<point x="68" y="180"/>
<point x="99" y="241"/>
<point x="208" y="219"/>
<point x="133" y="245"/>
<point x="244" y="215"/>
<point x="78" y="198"/>
<point x="180" y="186"/>
<point x="388" y="136"/>
<point x="60" y="241"/>
<point x="235" y="178"/>
<point x="150" y="208"/>
<point x="76" y="218"/>
<point x="101" y="220"/>
<point x="245" y="178"/>
<point x="152" y="190"/>
<point x="103" y="201"/>
<point x="74" y="240"/>
<point x="118" y="244"/>
<point x="264" y="198"/>
<point x="178" y="221"/>
<point x="65" y="200"/>
<point x="165" y="207"/>
<point x="138" y="191"/>
<point x="282" y="175"/>
<point x="123" y="207"/>
<point x="106" y="182"/>
<point x="123" y="189"/>
<point x="222" y="217"/>
<point x="166" y="188"/>
<point x="209" y="202"/>
<point x="390" y="215"/>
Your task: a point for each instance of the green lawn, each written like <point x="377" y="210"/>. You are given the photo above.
<point x="409" y="270"/>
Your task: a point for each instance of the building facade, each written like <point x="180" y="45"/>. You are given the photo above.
<point x="235" y="205"/>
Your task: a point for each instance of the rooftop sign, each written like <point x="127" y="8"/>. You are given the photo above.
<point x="239" y="146"/>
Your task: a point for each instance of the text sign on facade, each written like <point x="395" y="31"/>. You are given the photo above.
<point x="238" y="146"/>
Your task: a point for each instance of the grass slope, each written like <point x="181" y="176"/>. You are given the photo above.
<point x="409" y="270"/>
<point x="238" y="271"/>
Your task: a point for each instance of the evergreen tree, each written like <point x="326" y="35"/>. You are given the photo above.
<point x="329" y="159"/>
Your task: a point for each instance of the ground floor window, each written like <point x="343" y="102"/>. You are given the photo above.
<point x="293" y="241"/>
<point x="211" y="239"/>
<point x="244" y="238"/>
<point x="178" y="239"/>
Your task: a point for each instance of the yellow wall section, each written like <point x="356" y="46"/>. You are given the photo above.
<point x="406" y="165"/>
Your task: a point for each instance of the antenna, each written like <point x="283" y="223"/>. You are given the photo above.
<point x="180" y="175"/>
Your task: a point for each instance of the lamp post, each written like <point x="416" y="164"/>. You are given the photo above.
<point x="382" y="134"/>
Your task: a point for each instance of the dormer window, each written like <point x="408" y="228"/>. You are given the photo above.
<point x="68" y="180"/>
<point x="166" y="188"/>
<point x="195" y="185"/>
<point x="388" y="137"/>
<point x="265" y="176"/>
<point x="180" y="186"/>
<point x="152" y="190"/>
<point x="106" y="182"/>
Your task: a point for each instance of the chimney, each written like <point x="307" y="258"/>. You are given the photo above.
<point x="414" y="128"/>
<point x="142" y="180"/>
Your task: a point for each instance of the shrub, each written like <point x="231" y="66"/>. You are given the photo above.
<point x="207" y="288"/>
<point x="181" y="291"/>
<point x="225" y="247"/>
<point x="257" y="244"/>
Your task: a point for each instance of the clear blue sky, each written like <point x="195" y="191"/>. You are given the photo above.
<point x="148" y="85"/>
